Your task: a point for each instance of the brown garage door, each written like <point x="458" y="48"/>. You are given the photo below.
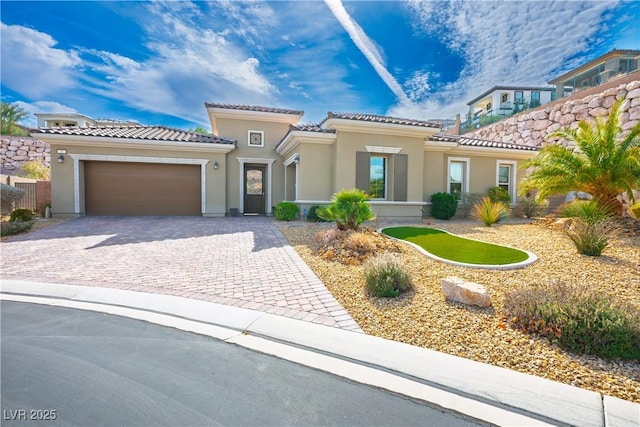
<point x="113" y="188"/>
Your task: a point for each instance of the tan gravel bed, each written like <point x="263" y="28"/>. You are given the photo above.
<point x="425" y="319"/>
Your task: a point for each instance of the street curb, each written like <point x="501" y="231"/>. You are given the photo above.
<point x="522" y="396"/>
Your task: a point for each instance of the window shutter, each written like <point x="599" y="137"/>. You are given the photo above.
<point x="363" y="170"/>
<point x="400" y="169"/>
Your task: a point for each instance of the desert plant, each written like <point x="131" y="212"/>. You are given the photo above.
<point x="9" y="195"/>
<point x="386" y="276"/>
<point x="348" y="209"/>
<point x="489" y="211"/>
<point x="468" y="201"/>
<point x="10" y="115"/>
<point x="531" y="208"/>
<point x="499" y="194"/>
<point x="21" y="215"/>
<point x="360" y="242"/>
<point x="577" y="319"/>
<point x="10" y="228"/>
<point x="286" y="211"/>
<point x="635" y="210"/>
<point x="591" y="237"/>
<point x="312" y="215"/>
<point x="604" y="163"/>
<point x="443" y="205"/>
<point x="35" y="169"/>
<point x="589" y="211"/>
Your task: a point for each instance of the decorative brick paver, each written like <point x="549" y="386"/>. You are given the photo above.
<point x="243" y="262"/>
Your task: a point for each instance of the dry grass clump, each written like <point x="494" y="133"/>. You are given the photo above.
<point x="352" y="247"/>
<point x="423" y="317"/>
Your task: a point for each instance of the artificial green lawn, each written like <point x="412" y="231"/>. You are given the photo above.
<point x="454" y="248"/>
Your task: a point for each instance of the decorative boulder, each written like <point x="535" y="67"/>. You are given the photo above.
<point x="456" y="289"/>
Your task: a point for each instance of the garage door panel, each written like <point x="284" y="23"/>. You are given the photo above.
<point x="115" y="188"/>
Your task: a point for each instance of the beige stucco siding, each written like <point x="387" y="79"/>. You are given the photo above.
<point x="434" y="174"/>
<point x="62" y="174"/>
<point x="315" y="172"/>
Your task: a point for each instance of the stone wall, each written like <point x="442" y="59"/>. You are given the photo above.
<point x="531" y="127"/>
<point x="17" y="150"/>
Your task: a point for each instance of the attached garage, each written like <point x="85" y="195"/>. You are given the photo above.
<point x="119" y="188"/>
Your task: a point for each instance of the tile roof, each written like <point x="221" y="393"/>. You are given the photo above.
<point x="253" y="108"/>
<point x="474" y="142"/>
<point x="381" y="119"/>
<point x="311" y="127"/>
<point x="154" y="133"/>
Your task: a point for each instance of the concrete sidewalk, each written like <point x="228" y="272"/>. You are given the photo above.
<point x="484" y="392"/>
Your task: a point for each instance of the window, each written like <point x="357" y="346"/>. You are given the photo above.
<point x="535" y="99"/>
<point x="505" y="97"/>
<point x="489" y="107"/>
<point x="458" y="176"/>
<point x="506" y="177"/>
<point x="518" y="97"/>
<point x="256" y="138"/>
<point x="378" y="177"/>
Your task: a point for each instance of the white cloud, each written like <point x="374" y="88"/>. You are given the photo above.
<point x="32" y="65"/>
<point x="509" y="43"/>
<point x="367" y="47"/>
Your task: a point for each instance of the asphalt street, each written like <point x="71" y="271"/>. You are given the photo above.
<point x="62" y="366"/>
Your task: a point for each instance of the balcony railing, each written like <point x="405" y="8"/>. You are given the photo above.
<point x="506" y="109"/>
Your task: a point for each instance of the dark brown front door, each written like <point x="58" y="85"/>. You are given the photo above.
<point x="254" y="187"/>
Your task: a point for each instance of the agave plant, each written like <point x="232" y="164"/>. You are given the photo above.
<point x="490" y="212"/>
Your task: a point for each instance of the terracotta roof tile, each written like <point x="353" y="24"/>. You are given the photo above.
<point x="253" y="108"/>
<point x="474" y="142"/>
<point x="311" y="127"/>
<point x="151" y="133"/>
<point x="382" y="119"/>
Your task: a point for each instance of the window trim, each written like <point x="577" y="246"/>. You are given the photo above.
<point x="386" y="175"/>
<point x="466" y="171"/>
<point x="512" y="177"/>
<point x="261" y="138"/>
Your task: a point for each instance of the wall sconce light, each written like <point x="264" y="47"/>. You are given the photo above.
<point x="296" y="159"/>
<point x="60" y="158"/>
<point x="215" y="165"/>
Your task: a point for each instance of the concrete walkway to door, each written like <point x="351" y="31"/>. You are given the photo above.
<point x="242" y="262"/>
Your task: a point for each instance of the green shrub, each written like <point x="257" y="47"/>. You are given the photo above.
<point x="21" y="215"/>
<point x="489" y="211"/>
<point x="468" y="201"/>
<point x="10" y="228"/>
<point x="591" y="237"/>
<point x="577" y="319"/>
<point x="312" y="215"/>
<point x="531" y="208"/>
<point x="499" y="194"/>
<point x="386" y="276"/>
<point x="286" y="211"/>
<point x="589" y="211"/>
<point x="635" y="210"/>
<point x="9" y="195"/>
<point x="443" y="205"/>
<point x="348" y="209"/>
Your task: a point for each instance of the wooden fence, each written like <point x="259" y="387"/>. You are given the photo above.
<point x="36" y="195"/>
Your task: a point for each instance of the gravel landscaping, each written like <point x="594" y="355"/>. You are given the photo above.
<point x="423" y="318"/>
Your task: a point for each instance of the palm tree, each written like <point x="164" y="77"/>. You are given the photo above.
<point x="604" y="163"/>
<point x="10" y="115"/>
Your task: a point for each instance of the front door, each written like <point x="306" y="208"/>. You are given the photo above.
<point x="254" y="187"/>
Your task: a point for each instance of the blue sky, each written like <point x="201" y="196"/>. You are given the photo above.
<point x="158" y="62"/>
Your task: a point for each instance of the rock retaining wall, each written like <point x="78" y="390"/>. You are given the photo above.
<point x="17" y="150"/>
<point x="531" y="127"/>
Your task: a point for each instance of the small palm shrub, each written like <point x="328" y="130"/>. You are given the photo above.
<point x="589" y="211"/>
<point x="10" y="228"/>
<point x="530" y="208"/>
<point x="499" y="194"/>
<point x="490" y="212"/>
<point x="443" y="205"/>
<point x="577" y="319"/>
<point x="286" y="211"/>
<point x="386" y="276"/>
<point x="591" y="237"/>
<point x="348" y="209"/>
<point x="9" y="195"/>
<point x="312" y="215"/>
<point x="21" y="215"/>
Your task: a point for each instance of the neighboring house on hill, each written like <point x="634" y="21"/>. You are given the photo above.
<point x="503" y="101"/>
<point x="50" y="120"/>
<point x="260" y="156"/>
<point x="613" y="64"/>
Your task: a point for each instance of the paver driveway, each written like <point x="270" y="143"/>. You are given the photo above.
<point x="244" y="262"/>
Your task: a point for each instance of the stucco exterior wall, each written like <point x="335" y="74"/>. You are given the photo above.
<point x="315" y="172"/>
<point x="62" y="175"/>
